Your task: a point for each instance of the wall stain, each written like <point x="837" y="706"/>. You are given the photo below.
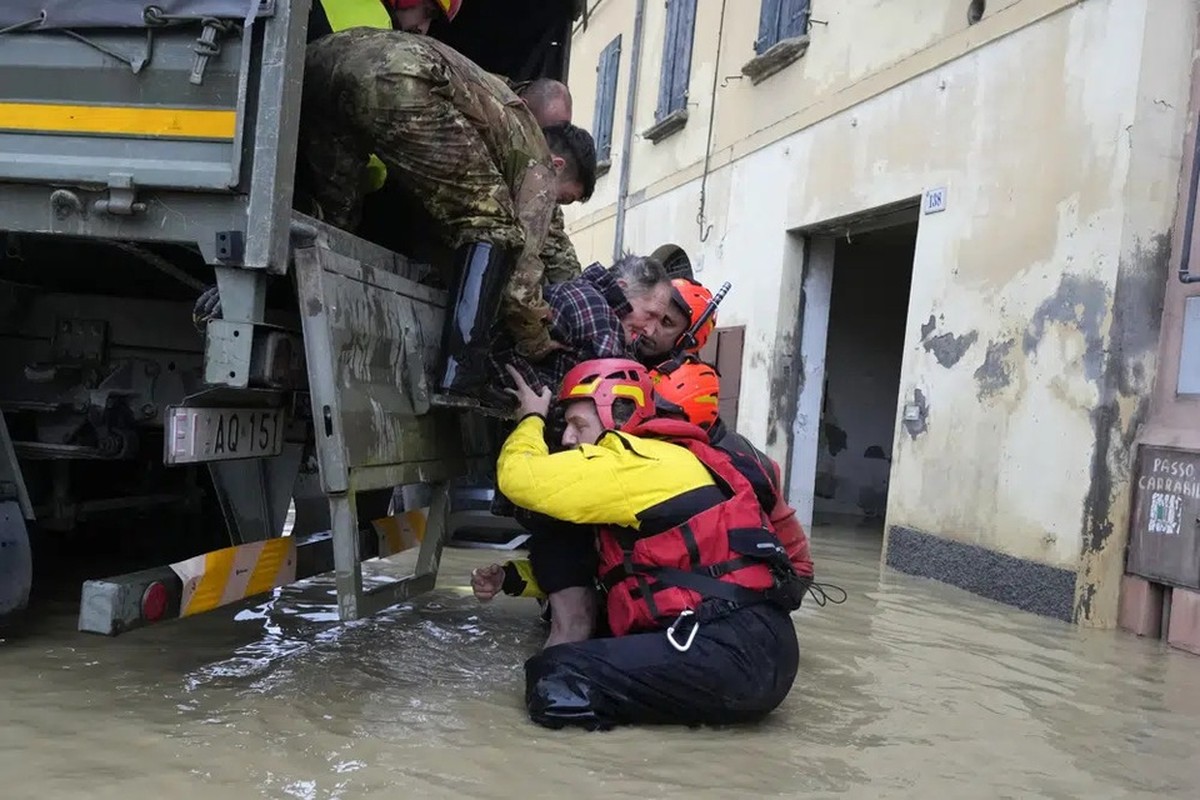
<point x="787" y="382"/>
<point x="995" y="373"/>
<point x="928" y="327"/>
<point x="949" y="349"/>
<point x="1079" y="303"/>
<point x="1134" y="333"/>
<point x="916" y="427"/>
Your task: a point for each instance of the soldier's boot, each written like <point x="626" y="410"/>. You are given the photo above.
<point x="484" y="269"/>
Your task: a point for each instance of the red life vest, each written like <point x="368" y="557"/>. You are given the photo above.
<point x="763" y="474"/>
<point x="720" y="552"/>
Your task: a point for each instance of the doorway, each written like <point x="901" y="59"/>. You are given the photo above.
<point x="856" y="292"/>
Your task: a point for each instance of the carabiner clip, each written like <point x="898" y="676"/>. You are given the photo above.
<point x="683" y="648"/>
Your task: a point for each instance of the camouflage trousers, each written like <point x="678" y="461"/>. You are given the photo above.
<point x="406" y="116"/>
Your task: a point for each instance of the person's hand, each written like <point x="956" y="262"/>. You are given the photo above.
<point x="207" y="307"/>
<point x="486" y="582"/>
<point x="528" y="401"/>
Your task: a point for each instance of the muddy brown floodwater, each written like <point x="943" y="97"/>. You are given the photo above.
<point x="910" y="689"/>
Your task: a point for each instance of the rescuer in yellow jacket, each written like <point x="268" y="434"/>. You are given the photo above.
<point x="698" y="588"/>
<point x="640" y="476"/>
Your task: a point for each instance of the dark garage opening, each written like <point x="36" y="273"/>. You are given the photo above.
<point x="872" y="275"/>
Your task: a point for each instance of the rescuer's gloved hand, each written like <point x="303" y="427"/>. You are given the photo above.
<point x="556" y="426"/>
<point x="208" y="306"/>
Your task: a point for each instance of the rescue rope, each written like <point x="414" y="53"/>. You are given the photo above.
<point x="820" y="595"/>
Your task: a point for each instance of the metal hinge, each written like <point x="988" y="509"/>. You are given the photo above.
<point x="122" y="197"/>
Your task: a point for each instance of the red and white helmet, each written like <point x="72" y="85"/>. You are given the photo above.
<point x="606" y="380"/>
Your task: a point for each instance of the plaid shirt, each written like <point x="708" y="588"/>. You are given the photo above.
<point x="585" y="315"/>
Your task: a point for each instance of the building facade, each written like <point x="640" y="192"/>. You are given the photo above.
<point x="948" y="225"/>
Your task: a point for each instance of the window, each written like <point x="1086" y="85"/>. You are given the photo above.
<point x="779" y="20"/>
<point x="677" y="58"/>
<point x="724" y="351"/>
<point x="674" y="260"/>
<point x="606" y="99"/>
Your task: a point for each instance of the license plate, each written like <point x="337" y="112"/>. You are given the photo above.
<point x="222" y="434"/>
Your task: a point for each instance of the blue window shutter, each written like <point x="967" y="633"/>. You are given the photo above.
<point x="677" y="57"/>
<point x="768" y="25"/>
<point x="614" y="64"/>
<point x="606" y="98"/>
<point x="685" y="31"/>
<point x="666" y="76"/>
<point x="598" y="116"/>
<point x="794" y="19"/>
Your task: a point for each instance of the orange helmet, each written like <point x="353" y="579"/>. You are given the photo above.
<point x="689" y="387"/>
<point x="692" y="298"/>
<point x="606" y="380"/>
<point x="449" y="7"/>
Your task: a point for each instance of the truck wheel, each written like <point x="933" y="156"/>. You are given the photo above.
<point x="16" y="561"/>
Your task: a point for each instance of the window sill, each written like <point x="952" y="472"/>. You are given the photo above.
<point x="776" y="58"/>
<point x="602" y="167"/>
<point x="666" y="126"/>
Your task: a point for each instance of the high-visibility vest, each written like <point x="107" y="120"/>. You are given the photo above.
<point x="344" y="14"/>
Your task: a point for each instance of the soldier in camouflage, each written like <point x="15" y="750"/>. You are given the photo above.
<point x="463" y="143"/>
<point x="550" y="102"/>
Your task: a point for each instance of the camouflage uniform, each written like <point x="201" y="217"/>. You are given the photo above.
<point x="558" y="254"/>
<point x="452" y="133"/>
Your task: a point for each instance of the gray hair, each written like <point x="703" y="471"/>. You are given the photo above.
<point x="640" y="274"/>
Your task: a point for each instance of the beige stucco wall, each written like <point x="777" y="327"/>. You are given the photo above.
<point x="1056" y="128"/>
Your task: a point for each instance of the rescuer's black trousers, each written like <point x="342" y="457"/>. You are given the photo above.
<point x="738" y="669"/>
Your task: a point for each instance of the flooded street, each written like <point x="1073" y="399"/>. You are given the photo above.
<point x="909" y="689"/>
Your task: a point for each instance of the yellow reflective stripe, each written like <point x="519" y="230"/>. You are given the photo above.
<point x="274" y="556"/>
<point x="232" y="573"/>
<point x="343" y="14"/>
<point x="171" y="123"/>
<point x="208" y="594"/>
<point x="399" y="533"/>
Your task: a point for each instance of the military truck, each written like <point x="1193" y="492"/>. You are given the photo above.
<point x="147" y="150"/>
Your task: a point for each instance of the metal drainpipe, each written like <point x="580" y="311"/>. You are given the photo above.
<point x="1189" y="222"/>
<point x="635" y="61"/>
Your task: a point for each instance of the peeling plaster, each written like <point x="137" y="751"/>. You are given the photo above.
<point x="787" y="381"/>
<point x="1133" y="341"/>
<point x="949" y="349"/>
<point x="928" y="327"/>
<point x="1080" y="303"/>
<point x="996" y="371"/>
